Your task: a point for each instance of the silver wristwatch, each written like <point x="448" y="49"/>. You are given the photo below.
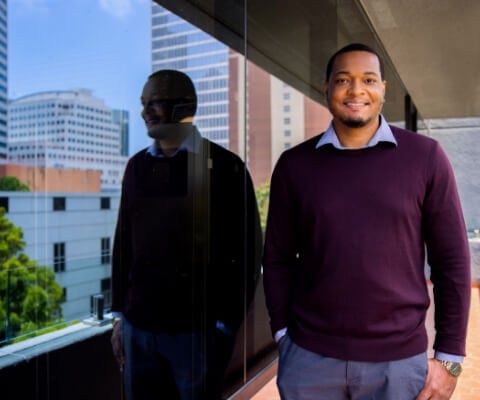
<point x="453" y="368"/>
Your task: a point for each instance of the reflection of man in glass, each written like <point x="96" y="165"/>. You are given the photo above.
<point x="185" y="258"/>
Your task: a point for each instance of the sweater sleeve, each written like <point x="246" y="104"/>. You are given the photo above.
<point x="448" y="254"/>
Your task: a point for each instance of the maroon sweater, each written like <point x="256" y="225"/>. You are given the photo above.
<point x="345" y="249"/>
<point x="187" y="243"/>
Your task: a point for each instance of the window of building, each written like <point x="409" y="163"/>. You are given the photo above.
<point x="59" y="257"/>
<point x="286" y="121"/>
<point x="105" y="203"/>
<point x="59" y="203"/>
<point x="105" y="252"/>
<point x="287" y="133"/>
<point x="4" y="203"/>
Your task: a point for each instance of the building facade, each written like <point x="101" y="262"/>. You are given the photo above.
<point x="44" y="179"/>
<point x="72" y="233"/>
<point x="67" y="130"/>
<point x="121" y="117"/>
<point x="176" y="44"/>
<point x="3" y="78"/>
<point x="267" y="117"/>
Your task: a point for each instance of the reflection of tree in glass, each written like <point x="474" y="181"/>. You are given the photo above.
<point x="263" y="192"/>
<point x="12" y="184"/>
<point x="30" y="298"/>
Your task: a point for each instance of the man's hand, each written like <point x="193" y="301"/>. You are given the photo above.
<point x="439" y="384"/>
<point x="117" y="343"/>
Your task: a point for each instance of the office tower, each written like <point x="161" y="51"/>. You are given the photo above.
<point x="68" y="130"/>
<point x="176" y="44"/>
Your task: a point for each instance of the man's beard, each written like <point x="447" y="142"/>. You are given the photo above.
<point x="355" y="123"/>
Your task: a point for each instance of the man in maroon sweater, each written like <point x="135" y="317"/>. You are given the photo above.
<point x="353" y="214"/>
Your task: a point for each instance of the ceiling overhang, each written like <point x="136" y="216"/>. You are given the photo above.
<point x="429" y="46"/>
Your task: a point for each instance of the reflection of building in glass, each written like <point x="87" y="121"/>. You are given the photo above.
<point x="3" y="79"/>
<point x="121" y="117"/>
<point x="176" y="44"/>
<point x="66" y="130"/>
<point x="258" y="123"/>
<point x="277" y="117"/>
<point x="72" y="234"/>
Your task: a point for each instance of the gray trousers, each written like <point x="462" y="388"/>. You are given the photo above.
<point x="303" y="375"/>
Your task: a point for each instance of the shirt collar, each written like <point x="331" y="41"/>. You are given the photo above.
<point x="383" y="134"/>
<point x="190" y="144"/>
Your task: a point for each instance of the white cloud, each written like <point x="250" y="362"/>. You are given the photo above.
<point x="117" y="8"/>
<point x="32" y="5"/>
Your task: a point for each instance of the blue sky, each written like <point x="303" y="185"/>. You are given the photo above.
<point x="101" y="45"/>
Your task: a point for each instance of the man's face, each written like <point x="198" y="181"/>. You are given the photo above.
<point x="355" y="90"/>
<point x="155" y="111"/>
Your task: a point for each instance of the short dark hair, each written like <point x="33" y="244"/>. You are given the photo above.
<point x="348" y="49"/>
<point x="178" y="92"/>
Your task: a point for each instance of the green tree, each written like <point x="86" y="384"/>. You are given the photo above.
<point x="30" y="298"/>
<point x="263" y="192"/>
<point x="12" y="184"/>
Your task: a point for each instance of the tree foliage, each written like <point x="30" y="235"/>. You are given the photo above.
<point x="12" y="184"/>
<point x="263" y="192"/>
<point x="30" y="298"/>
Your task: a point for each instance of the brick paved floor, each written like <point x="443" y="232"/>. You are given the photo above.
<point x="468" y="387"/>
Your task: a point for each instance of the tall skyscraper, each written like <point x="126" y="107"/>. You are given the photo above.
<point x="68" y="129"/>
<point x="176" y="44"/>
<point x="3" y="79"/>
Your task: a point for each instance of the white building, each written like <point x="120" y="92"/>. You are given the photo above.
<point x="72" y="234"/>
<point x="66" y="129"/>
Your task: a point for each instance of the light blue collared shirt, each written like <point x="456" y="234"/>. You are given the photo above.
<point x="383" y="134"/>
<point x="191" y="144"/>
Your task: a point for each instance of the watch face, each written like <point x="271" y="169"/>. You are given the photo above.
<point x="455" y="369"/>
